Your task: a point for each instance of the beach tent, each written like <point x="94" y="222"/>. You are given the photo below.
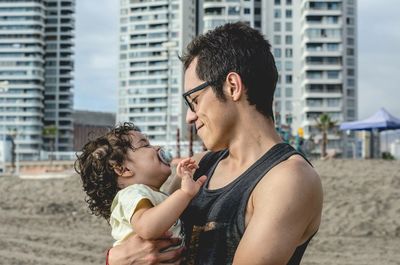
<point x="381" y="121"/>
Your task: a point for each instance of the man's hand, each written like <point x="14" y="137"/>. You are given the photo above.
<point x="137" y="251"/>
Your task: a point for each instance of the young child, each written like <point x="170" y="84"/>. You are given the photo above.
<point x="122" y="175"/>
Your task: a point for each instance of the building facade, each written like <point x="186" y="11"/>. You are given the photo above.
<point x="27" y="49"/>
<point x="152" y="35"/>
<point x="328" y="68"/>
<point x="59" y="65"/>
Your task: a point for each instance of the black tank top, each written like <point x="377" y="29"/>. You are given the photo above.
<point x="215" y="219"/>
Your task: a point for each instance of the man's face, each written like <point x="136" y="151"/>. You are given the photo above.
<point x="208" y="116"/>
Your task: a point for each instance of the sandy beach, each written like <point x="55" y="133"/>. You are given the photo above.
<point x="46" y="221"/>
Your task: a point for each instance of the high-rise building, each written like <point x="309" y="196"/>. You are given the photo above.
<point x="314" y="45"/>
<point x="313" y="41"/>
<point x="152" y="35"/>
<point x="59" y="34"/>
<point x="280" y="25"/>
<point x="327" y="73"/>
<point x="32" y="76"/>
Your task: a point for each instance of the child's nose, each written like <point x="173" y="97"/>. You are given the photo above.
<point x="156" y="147"/>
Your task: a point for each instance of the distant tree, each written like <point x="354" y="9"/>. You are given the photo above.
<point x="324" y="124"/>
<point x="50" y="132"/>
<point x="11" y="135"/>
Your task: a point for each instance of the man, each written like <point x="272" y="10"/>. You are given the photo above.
<point x="262" y="201"/>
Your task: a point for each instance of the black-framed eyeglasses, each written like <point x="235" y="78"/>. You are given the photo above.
<point x="188" y="101"/>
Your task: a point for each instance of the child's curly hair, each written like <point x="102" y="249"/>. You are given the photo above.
<point x="96" y="166"/>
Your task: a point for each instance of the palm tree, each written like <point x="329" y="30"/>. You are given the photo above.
<point x="324" y="124"/>
<point x="50" y="132"/>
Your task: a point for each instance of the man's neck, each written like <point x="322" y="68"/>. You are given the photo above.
<point x="255" y="136"/>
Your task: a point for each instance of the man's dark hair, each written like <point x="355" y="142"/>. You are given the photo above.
<point x="236" y="47"/>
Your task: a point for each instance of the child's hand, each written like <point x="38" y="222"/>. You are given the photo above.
<point x="185" y="170"/>
<point x="186" y="165"/>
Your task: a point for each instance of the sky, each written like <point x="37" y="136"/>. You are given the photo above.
<point x="96" y="56"/>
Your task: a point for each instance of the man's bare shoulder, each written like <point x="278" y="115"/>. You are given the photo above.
<point x="290" y="180"/>
<point x="295" y="169"/>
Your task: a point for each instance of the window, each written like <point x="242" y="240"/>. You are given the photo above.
<point x="350" y="10"/>
<point x="350" y="41"/>
<point x="288" y="65"/>
<point x="246" y="11"/>
<point x="332" y="46"/>
<point x="278" y="91"/>
<point x="277" y="39"/>
<point x="288" y="53"/>
<point x="277" y="52"/>
<point x="289" y="92"/>
<point x="288" y="26"/>
<point x="277" y="26"/>
<point x="350" y="51"/>
<point x="350" y="21"/>
<point x="333" y="102"/>
<point x="288" y="2"/>
<point x="277" y="13"/>
<point x="288" y="13"/>
<point x="277" y="2"/>
<point x="350" y="31"/>
<point x="288" y="105"/>
<point x="288" y="79"/>
<point x="233" y="10"/>
<point x="350" y="92"/>
<point x="288" y="39"/>
<point x="350" y="113"/>
<point x="278" y="65"/>
<point x="333" y="74"/>
<point x="277" y="105"/>
<point x="350" y="61"/>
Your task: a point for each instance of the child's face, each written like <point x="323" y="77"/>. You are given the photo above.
<point x="142" y="160"/>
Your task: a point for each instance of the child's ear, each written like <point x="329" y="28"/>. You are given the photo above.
<point x="123" y="171"/>
<point x="118" y="170"/>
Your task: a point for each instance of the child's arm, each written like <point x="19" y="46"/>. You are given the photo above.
<point x="176" y="180"/>
<point x="152" y="222"/>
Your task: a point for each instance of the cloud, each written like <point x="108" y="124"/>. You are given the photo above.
<point x="96" y="55"/>
<point x="379" y="57"/>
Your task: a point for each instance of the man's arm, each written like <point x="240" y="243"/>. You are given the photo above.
<point x="286" y="208"/>
<point x="136" y="251"/>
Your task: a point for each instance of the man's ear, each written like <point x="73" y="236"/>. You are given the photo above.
<point x="235" y="87"/>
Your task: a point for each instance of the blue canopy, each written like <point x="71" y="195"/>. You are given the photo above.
<point x="381" y="120"/>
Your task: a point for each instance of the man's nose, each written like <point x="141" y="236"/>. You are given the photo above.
<point x="191" y="116"/>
